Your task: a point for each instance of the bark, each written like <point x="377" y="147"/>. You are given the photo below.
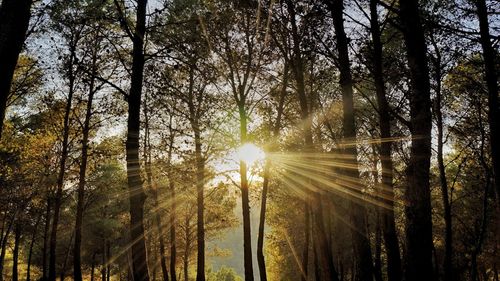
<point x="66" y="257"/>
<point x="173" y="249"/>
<point x="14" y="22"/>
<point x="92" y="268"/>
<point x="4" y="240"/>
<point x="154" y="192"/>
<point x="307" y="240"/>
<point x="77" y="267"/>
<point x="448" y="253"/>
<point x="387" y="190"/>
<point x="245" y="201"/>
<point x="62" y="164"/>
<point x="491" y="78"/>
<point x="45" y="239"/>
<point x="417" y="195"/>
<point x="361" y="243"/>
<point x="187" y="249"/>
<point x="200" y="181"/>
<point x="15" y="253"/>
<point x="265" y="185"/>
<point x="30" y="251"/>
<point x="136" y="190"/>
<point x="324" y="250"/>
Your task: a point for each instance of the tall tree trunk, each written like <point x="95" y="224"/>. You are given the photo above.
<point x="267" y="167"/>
<point x="491" y="78"/>
<point x="136" y="190"/>
<point x="4" y="240"/>
<point x="15" y="253"/>
<point x="418" y="203"/>
<point x="154" y="192"/>
<point x="77" y="267"/>
<point x="245" y="201"/>
<point x="173" y="249"/>
<point x="92" y="267"/>
<point x="187" y="247"/>
<point x="324" y="249"/>
<point x="361" y="242"/>
<point x="387" y="191"/>
<point x="262" y="220"/>
<point x="14" y="22"/>
<point x="448" y="252"/>
<point x="62" y="164"/>
<point x="32" y="243"/>
<point x="46" y="239"/>
<point x="200" y="180"/>
<point x="307" y="241"/>
<point x="66" y="257"/>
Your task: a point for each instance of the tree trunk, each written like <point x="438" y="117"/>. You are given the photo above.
<point x="245" y="201"/>
<point x="448" y="252"/>
<point x="14" y="22"/>
<point x="62" y="165"/>
<point x="200" y="181"/>
<point x="32" y="243"/>
<point x="361" y="243"/>
<point x="154" y="192"/>
<point x="186" y="250"/>
<point x="136" y="190"/>
<point x="491" y="78"/>
<point x="324" y="250"/>
<point x="173" y="250"/>
<point x="418" y="203"/>
<point x="307" y="241"/>
<point x="92" y="267"/>
<point x="387" y="189"/>
<point x="77" y="267"/>
<point x="265" y="185"/>
<point x="262" y="220"/>
<point x="45" y="239"/>
<point x="15" y="253"/>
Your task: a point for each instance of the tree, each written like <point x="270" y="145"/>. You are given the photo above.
<point x="418" y="209"/>
<point x="15" y="17"/>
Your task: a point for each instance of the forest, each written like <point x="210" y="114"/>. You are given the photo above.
<point x="231" y="140"/>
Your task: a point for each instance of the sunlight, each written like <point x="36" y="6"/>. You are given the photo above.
<point x="250" y="153"/>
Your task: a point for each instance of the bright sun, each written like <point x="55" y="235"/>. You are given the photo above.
<point x="250" y="153"/>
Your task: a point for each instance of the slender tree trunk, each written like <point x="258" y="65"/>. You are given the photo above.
<point x="66" y="257"/>
<point x="92" y="268"/>
<point x="136" y="190"/>
<point x="173" y="250"/>
<point x="15" y="253"/>
<point x="77" y="267"/>
<point x="245" y="201"/>
<point x="448" y="253"/>
<point x="265" y="185"/>
<point x="324" y="250"/>
<point x="32" y="243"/>
<point x="108" y="265"/>
<point x="14" y="22"/>
<point x="307" y="241"/>
<point x="418" y="203"/>
<point x="4" y="240"/>
<point x="186" y="250"/>
<point x="491" y="78"/>
<point x="361" y="243"/>
<point x="262" y="220"/>
<point x="387" y="190"/>
<point x="154" y="192"/>
<point x="200" y="180"/>
<point x="62" y="166"/>
<point x="46" y="239"/>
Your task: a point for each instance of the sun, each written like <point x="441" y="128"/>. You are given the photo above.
<point x="250" y="153"/>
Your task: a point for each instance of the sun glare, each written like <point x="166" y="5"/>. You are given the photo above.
<point x="250" y="153"/>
